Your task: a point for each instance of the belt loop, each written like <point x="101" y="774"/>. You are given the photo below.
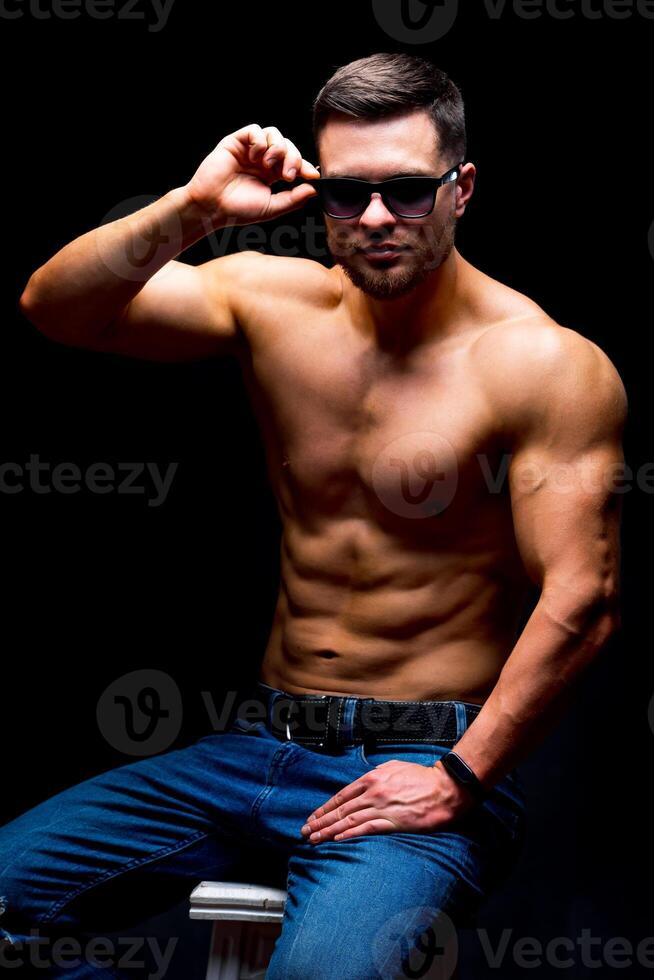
<point x="347" y="720"/>
<point x="368" y="736"/>
<point x="461" y="718"/>
<point x="332" y="728"/>
<point x="271" y="704"/>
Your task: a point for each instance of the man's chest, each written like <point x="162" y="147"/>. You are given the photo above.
<point x="354" y="433"/>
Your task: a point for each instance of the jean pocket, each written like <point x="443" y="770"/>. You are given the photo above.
<point x="422" y="753"/>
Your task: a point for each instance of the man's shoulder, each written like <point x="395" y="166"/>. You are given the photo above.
<point x="253" y="276"/>
<point x="534" y="371"/>
<point x="530" y="339"/>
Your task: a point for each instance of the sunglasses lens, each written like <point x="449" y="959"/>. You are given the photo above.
<point x="411" y="198"/>
<point x="342" y="200"/>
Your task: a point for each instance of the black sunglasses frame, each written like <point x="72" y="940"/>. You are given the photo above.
<point x="383" y="188"/>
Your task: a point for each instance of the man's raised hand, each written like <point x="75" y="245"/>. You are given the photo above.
<point x="232" y="186"/>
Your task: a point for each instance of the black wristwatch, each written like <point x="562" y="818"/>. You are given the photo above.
<point x="464" y="775"/>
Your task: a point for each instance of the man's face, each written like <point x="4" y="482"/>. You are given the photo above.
<point x="377" y="150"/>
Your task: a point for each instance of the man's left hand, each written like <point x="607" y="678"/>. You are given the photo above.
<point x="395" y="796"/>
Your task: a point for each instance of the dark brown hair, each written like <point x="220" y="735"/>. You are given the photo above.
<point x="389" y="84"/>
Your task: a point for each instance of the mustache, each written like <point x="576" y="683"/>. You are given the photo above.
<point x="423" y="240"/>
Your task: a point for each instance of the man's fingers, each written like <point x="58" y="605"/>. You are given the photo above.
<point x="287" y="159"/>
<point x="342" y="816"/>
<point x="276" y="146"/>
<point x="247" y="140"/>
<point x="267" y="147"/>
<point x="257" y="143"/>
<point x="290" y="200"/>
<point x="293" y="161"/>
<point x="379" y="826"/>
<point x="348" y="821"/>
<point x="349" y="792"/>
<point x="282" y="152"/>
<point x="308" y="170"/>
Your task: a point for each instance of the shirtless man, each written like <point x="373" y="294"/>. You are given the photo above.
<point x="435" y="441"/>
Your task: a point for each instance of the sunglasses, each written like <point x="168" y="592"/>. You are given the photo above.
<point x="406" y="197"/>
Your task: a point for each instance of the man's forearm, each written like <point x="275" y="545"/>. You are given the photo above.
<point x="88" y="283"/>
<point x="558" y="641"/>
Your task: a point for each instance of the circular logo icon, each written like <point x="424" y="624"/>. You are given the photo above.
<point x="416" y="21"/>
<point x="416" y="475"/>
<point x="420" y="942"/>
<point x="141" y="713"/>
<point x="141" y="258"/>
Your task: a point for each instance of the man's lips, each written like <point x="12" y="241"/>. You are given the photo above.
<point x="389" y="247"/>
<point x="384" y="252"/>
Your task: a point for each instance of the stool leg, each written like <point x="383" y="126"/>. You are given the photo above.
<point x="259" y="940"/>
<point x="225" y="951"/>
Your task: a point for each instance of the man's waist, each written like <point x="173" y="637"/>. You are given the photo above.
<point x="329" y="721"/>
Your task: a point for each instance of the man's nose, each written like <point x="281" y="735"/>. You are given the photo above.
<point x="376" y="213"/>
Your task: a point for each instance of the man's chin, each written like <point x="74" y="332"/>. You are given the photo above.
<point x="384" y="283"/>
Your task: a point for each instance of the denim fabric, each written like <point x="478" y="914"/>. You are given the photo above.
<point x="126" y="844"/>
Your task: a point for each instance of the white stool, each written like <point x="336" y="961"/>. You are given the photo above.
<point x="247" y="919"/>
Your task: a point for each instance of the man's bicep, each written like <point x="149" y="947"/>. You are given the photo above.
<point x="182" y="313"/>
<point x="566" y="474"/>
<point x="566" y="517"/>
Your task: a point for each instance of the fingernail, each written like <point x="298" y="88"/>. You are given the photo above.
<point x="292" y="172"/>
<point x="305" y="828"/>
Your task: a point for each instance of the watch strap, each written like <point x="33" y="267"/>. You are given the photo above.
<point x="463" y="774"/>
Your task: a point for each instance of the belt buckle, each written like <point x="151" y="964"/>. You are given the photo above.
<point x="289" y="737"/>
<point x="289" y="707"/>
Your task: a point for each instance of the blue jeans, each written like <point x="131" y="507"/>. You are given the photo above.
<point x="126" y="844"/>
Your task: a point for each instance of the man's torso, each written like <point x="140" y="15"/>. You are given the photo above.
<point x="400" y="575"/>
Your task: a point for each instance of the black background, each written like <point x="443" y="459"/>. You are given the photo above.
<point x="97" y="112"/>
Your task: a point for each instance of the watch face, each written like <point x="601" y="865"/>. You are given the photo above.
<point x="458" y="769"/>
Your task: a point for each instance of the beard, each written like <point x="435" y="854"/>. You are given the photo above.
<point x="430" y="249"/>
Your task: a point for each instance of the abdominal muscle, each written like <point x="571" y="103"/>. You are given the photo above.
<point x="380" y="620"/>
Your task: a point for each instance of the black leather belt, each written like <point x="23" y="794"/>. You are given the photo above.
<point x="323" y="720"/>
